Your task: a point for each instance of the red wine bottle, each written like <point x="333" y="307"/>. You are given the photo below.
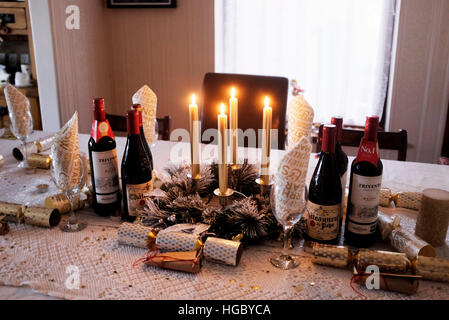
<point x="342" y="160"/>
<point x="138" y="107"/>
<point x="103" y="163"/>
<point x="136" y="170"/>
<point x="364" y="189"/>
<point x="324" y="205"/>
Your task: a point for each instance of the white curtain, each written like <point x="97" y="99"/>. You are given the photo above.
<point x="338" y="50"/>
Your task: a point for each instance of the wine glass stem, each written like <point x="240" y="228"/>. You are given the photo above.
<point x="285" y="248"/>
<point x="72" y="215"/>
<point x="25" y="152"/>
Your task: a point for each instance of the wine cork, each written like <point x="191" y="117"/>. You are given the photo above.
<point x="223" y="251"/>
<point x="12" y="212"/>
<point x="136" y="235"/>
<point x="433" y="218"/>
<point x="385" y="197"/>
<point x="61" y="203"/>
<point x="408" y="200"/>
<point x="178" y="242"/>
<point x="42" y="217"/>
<point x="429" y="268"/>
<point x="386" y="224"/>
<point x="329" y="255"/>
<point x="39" y="161"/>
<point x="410" y="244"/>
<point x="386" y="261"/>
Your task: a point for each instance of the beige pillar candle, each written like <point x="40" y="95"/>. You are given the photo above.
<point x="433" y="217"/>
<point x="194" y="138"/>
<point x="234" y="120"/>
<point x="222" y="148"/>
<point x="266" y="143"/>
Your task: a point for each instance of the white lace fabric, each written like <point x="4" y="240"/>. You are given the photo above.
<point x="38" y="258"/>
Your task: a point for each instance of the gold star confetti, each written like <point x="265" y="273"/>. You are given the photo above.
<point x="298" y="288"/>
<point x="83" y="287"/>
<point x="232" y="281"/>
<point x="241" y="285"/>
<point x="255" y="288"/>
<point x="311" y="284"/>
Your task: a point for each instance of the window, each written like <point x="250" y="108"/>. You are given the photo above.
<point x="339" y="51"/>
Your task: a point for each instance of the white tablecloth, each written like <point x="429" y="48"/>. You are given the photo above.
<point x="36" y="259"/>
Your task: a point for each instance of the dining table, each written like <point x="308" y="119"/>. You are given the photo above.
<point x="39" y="263"/>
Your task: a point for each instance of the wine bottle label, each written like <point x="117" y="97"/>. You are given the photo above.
<point x="105" y="171"/>
<point x="101" y="129"/>
<point x="364" y="203"/>
<point x="323" y="222"/>
<point x="137" y="195"/>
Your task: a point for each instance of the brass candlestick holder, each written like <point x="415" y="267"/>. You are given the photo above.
<point x="265" y="183"/>
<point x="224" y="198"/>
<point x="194" y="181"/>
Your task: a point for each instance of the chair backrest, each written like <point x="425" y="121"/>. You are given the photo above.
<point x="251" y="91"/>
<point x="387" y="140"/>
<point x="118" y="124"/>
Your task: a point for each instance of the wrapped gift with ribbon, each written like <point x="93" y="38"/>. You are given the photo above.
<point x="434" y="269"/>
<point x="179" y="261"/>
<point x="223" y="251"/>
<point x="136" y="235"/>
<point x="42" y="217"/>
<point x="12" y="212"/>
<point x="330" y="255"/>
<point x="37" y="146"/>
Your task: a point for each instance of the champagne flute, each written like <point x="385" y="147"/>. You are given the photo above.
<point x="287" y="217"/>
<point x="71" y="191"/>
<point x="22" y="127"/>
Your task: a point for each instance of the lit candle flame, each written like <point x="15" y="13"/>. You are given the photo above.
<point x="233" y="93"/>
<point x="267" y="102"/>
<point x="193" y="99"/>
<point x="222" y="109"/>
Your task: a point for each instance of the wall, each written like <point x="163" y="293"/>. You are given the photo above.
<point x="117" y="51"/>
<point x="420" y="87"/>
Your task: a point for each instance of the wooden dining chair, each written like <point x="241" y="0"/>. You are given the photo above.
<point x="118" y="124"/>
<point x="251" y="91"/>
<point x="387" y="140"/>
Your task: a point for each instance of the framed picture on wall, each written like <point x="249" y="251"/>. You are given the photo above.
<point x="141" y="3"/>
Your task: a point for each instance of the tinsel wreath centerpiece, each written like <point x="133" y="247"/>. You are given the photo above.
<point x="248" y="218"/>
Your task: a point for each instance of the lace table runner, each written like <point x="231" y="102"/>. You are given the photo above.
<point x="46" y="259"/>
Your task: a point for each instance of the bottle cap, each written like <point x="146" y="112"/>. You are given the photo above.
<point x="99" y="110"/>
<point x="371" y="128"/>
<point x="338" y="122"/>
<point x="329" y="138"/>
<point x="138" y="107"/>
<point x="133" y="122"/>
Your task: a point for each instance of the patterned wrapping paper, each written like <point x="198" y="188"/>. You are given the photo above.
<point x="61" y="203"/>
<point x="433" y="217"/>
<point x="19" y="108"/>
<point x="223" y="251"/>
<point x="148" y="100"/>
<point x="408" y="200"/>
<point x="39" y="161"/>
<point x="291" y="176"/>
<point x="136" y="235"/>
<point x="330" y="255"/>
<point x="429" y="268"/>
<point x="65" y="155"/>
<point x="386" y="261"/>
<point x="387" y="224"/>
<point x="178" y="242"/>
<point x="386" y="197"/>
<point x="42" y="217"/>
<point x="300" y="120"/>
<point x="410" y="244"/>
<point x="12" y="212"/>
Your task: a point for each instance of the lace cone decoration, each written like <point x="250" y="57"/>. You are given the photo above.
<point x="300" y="120"/>
<point x="65" y="156"/>
<point x="148" y="100"/>
<point x="291" y="176"/>
<point x="19" y="108"/>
